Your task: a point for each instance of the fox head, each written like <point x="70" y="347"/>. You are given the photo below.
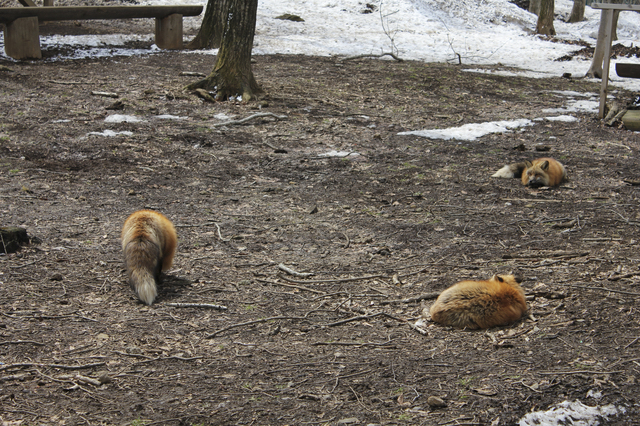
<point x="512" y="280"/>
<point x="537" y="175"/>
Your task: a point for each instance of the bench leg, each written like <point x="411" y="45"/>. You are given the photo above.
<point x="169" y="32"/>
<point x="22" y="39"/>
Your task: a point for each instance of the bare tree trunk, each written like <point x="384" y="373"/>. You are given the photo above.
<point x="210" y="34"/>
<point x="595" y="70"/>
<point x="534" y="7"/>
<point x="545" y="18"/>
<point x="577" y="12"/>
<point x="232" y="74"/>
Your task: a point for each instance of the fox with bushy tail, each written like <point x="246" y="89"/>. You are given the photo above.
<point x="149" y="243"/>
<point x="534" y="174"/>
<point x="481" y="304"/>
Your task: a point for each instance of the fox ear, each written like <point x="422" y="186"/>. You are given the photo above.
<point x="545" y="165"/>
<point x="528" y="164"/>
<point x="498" y="278"/>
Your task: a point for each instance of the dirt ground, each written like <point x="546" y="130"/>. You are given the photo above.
<point x="381" y="230"/>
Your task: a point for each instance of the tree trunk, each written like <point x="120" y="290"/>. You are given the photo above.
<point x="595" y="70"/>
<point x="545" y="18"/>
<point x="534" y="7"/>
<point x="232" y="74"/>
<point x="210" y="34"/>
<point x="577" y="12"/>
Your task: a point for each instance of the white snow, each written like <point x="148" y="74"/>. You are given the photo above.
<point x="571" y="413"/>
<point x="338" y="154"/>
<point x="119" y="118"/>
<point x="472" y="131"/>
<point x="110" y="133"/>
<point x="474" y="32"/>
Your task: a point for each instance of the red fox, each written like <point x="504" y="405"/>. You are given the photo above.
<point x="481" y="304"/>
<point x="541" y="172"/>
<point x="149" y="243"/>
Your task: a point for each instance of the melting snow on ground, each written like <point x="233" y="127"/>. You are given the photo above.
<point x="119" y="118"/>
<point x="571" y="414"/>
<point x="110" y="133"/>
<point x="472" y="131"/>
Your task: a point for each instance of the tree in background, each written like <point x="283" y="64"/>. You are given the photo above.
<point x="232" y="74"/>
<point x="577" y="12"/>
<point x="210" y="34"/>
<point x="545" y="18"/>
<point x="534" y="7"/>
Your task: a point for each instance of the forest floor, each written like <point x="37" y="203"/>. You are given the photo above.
<point x="381" y="230"/>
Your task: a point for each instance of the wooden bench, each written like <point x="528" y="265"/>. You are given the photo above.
<point x="22" y="36"/>
<point x="606" y="17"/>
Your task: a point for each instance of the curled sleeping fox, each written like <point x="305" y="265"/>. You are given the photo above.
<point x="541" y="172"/>
<point x="481" y="304"/>
<point x="149" y="243"/>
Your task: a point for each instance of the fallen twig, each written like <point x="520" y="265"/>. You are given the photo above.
<point x="105" y="94"/>
<point x="532" y="200"/>
<point x="426" y="296"/>
<point x="290" y="271"/>
<point x="84" y="379"/>
<point x="548" y="373"/>
<point x="630" y="293"/>
<point x="358" y="318"/>
<point x="351" y="343"/>
<point x="337" y="280"/>
<point x="20" y="376"/>
<point x="251" y="117"/>
<point x="17" y="342"/>
<point x="299" y="287"/>
<point x="198" y="305"/>
<point x="220" y="234"/>
<point x="258" y="321"/>
<point x="168" y="357"/>
<point x="63" y="367"/>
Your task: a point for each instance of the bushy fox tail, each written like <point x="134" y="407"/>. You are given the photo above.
<point x="511" y="170"/>
<point x="143" y="262"/>
<point x="149" y="244"/>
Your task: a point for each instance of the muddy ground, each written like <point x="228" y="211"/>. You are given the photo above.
<point x="382" y="230"/>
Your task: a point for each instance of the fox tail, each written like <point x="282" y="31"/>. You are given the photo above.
<point x="142" y="258"/>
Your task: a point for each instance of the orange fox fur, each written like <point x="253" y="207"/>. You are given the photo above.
<point x="480" y="304"/>
<point x="541" y="172"/>
<point x="149" y="243"/>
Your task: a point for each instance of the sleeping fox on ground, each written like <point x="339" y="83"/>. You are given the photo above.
<point x="541" y="172"/>
<point x="481" y="304"/>
<point x="149" y="242"/>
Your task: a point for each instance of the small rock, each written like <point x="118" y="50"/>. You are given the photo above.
<point x="348" y="421"/>
<point x="104" y="378"/>
<point x="435" y="402"/>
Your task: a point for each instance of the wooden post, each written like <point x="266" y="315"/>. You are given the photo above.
<point x="169" y="32"/>
<point x="22" y="39"/>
